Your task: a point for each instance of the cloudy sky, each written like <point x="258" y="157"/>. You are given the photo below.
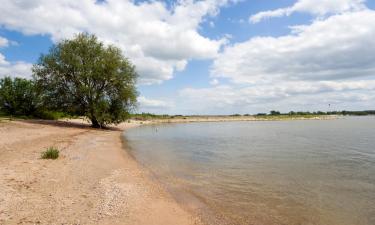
<point x="214" y="56"/>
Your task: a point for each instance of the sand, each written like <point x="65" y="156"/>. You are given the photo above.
<point x="94" y="181"/>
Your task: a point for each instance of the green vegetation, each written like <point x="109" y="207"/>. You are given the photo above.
<point x="272" y="115"/>
<point x="277" y="115"/>
<point x="78" y="77"/>
<point x="343" y="113"/>
<point x="53" y="115"/>
<point x="283" y="116"/>
<point x="50" y="153"/>
<point x="18" y="97"/>
<point x="150" y="116"/>
<point x="84" y="77"/>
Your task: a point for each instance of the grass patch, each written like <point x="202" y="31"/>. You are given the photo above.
<point x="149" y="116"/>
<point x="51" y="115"/>
<point x="50" y="153"/>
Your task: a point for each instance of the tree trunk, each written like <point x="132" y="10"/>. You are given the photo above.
<point x="95" y="123"/>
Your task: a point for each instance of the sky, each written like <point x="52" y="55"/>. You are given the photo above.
<point x="214" y="56"/>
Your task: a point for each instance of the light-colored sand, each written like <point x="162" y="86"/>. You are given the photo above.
<point x="93" y="182"/>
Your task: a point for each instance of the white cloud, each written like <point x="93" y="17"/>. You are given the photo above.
<point x="3" y="42"/>
<point x="214" y="82"/>
<point x="231" y="95"/>
<point x="158" y="39"/>
<point x="314" y="7"/>
<point x="14" y="69"/>
<point x="330" y="61"/>
<point x="228" y="99"/>
<point x="339" y="47"/>
<point x="153" y="105"/>
<point x="146" y="102"/>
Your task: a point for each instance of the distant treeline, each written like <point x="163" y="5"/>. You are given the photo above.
<point x="146" y="116"/>
<point x="307" y="113"/>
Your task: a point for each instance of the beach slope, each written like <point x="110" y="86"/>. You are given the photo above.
<point x="94" y="181"/>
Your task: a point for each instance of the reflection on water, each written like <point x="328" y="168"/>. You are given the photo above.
<point x="279" y="172"/>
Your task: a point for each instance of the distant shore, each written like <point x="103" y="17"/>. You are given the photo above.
<point x="189" y="119"/>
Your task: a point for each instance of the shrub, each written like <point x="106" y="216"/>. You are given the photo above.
<point x="51" y="115"/>
<point x="50" y="153"/>
<point x="18" y="97"/>
<point x="275" y="113"/>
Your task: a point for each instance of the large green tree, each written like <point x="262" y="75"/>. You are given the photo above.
<point x="84" y="77"/>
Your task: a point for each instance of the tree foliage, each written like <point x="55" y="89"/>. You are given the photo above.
<point x="18" y="96"/>
<point x="84" y="77"/>
<point x="274" y="113"/>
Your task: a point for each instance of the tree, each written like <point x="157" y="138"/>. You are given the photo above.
<point x="274" y="113"/>
<point x="18" y="96"/>
<point x="84" y="77"/>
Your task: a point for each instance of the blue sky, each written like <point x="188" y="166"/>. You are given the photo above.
<point x="214" y="56"/>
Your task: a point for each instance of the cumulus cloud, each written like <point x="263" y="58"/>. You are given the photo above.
<point x="146" y="102"/>
<point x="227" y="99"/>
<point x="314" y="7"/>
<point x="157" y="38"/>
<point x="214" y="82"/>
<point x="3" y="42"/>
<point x="14" y="69"/>
<point x="153" y="105"/>
<point x="232" y="95"/>
<point x="330" y="61"/>
<point x="340" y="47"/>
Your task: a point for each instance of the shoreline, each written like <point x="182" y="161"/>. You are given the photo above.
<point x="193" y="119"/>
<point x="94" y="181"/>
<point x="186" y="199"/>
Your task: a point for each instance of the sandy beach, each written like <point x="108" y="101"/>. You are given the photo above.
<point x="94" y="181"/>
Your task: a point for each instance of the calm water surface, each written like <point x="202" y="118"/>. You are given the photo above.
<point x="279" y="172"/>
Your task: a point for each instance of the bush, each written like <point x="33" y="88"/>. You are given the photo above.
<point x="275" y="113"/>
<point x="18" y="97"/>
<point x="50" y="153"/>
<point x="51" y="115"/>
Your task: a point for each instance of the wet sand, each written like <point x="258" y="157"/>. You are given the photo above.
<point x="94" y="181"/>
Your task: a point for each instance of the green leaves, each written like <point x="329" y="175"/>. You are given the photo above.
<point x="18" y="96"/>
<point x="84" y="77"/>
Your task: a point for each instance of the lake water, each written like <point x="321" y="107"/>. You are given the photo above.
<point x="270" y="172"/>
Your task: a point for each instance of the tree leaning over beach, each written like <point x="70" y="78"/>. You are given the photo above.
<point x="84" y="77"/>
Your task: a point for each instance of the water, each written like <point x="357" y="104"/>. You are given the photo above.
<point x="273" y="172"/>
